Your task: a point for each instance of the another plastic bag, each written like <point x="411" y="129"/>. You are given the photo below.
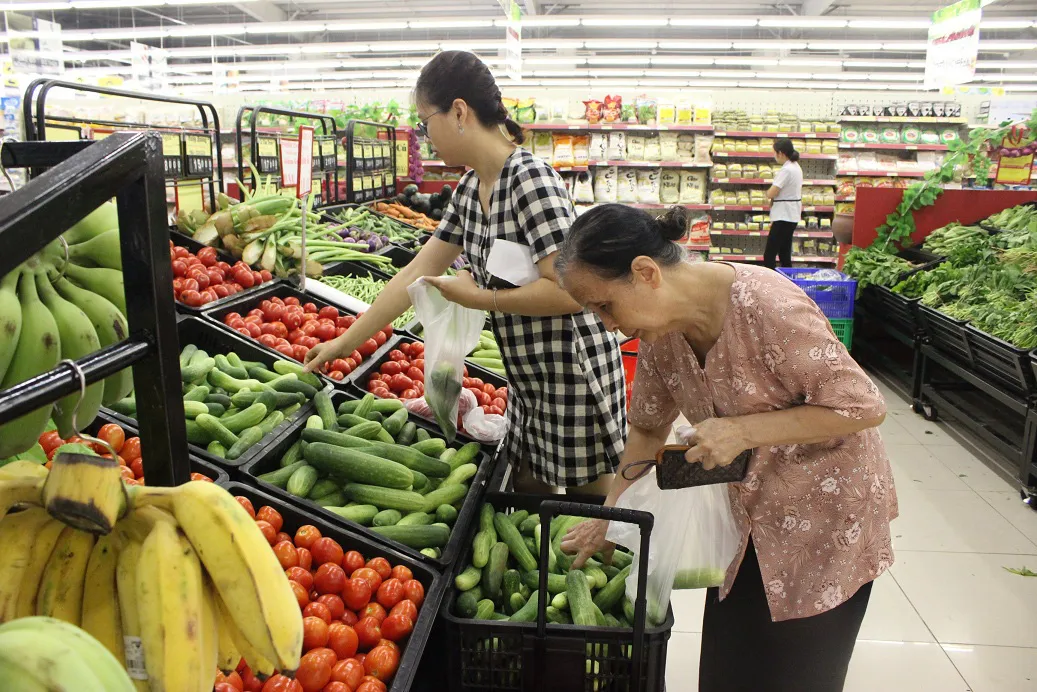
<point x="450" y="332"/>
<point x="476" y="423"/>
<point x="693" y="542"/>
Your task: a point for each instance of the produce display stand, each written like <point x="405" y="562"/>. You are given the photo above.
<point x="433" y="580"/>
<point x="264" y="149"/>
<point x="187" y="152"/>
<point x="126" y="166"/>
<point x="370" y="161"/>
<point x="221" y="255"/>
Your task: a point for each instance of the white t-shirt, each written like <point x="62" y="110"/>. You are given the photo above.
<point x="787" y="206"/>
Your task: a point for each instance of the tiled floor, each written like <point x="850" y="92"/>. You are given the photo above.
<point x="947" y="617"/>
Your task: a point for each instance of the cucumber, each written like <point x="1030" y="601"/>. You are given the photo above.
<point x="354" y="465"/>
<point x="628" y="609"/>
<point x="361" y="514"/>
<point x="216" y="449"/>
<point x="511" y="583"/>
<point x="245" y="399"/>
<point x="217" y="398"/>
<point x="217" y="410"/>
<point x="375" y="417"/>
<point x="248" y="418"/>
<point x="445" y="495"/>
<point x="448" y="454"/>
<point x="446" y="514"/>
<point x="433" y="446"/>
<point x="348" y="420"/>
<point x="186" y="354"/>
<point x="258" y="372"/>
<point x="292" y="454"/>
<point x="559" y="617"/>
<point x="486" y="515"/>
<point x="385" y="406"/>
<point x="530" y="522"/>
<point x="218" y="378"/>
<point x="387" y="517"/>
<point x="481" y="548"/>
<point x="337" y="439"/>
<point x="416" y="519"/>
<point x="467" y="605"/>
<point x="560" y="601"/>
<point x="247" y="439"/>
<point x="367" y="430"/>
<point x="325" y="410"/>
<point x="348" y="407"/>
<point x="431" y="536"/>
<point x="283" y="367"/>
<point x="528" y="612"/>
<point x="460" y="475"/>
<point x="384" y="437"/>
<point x="332" y="499"/>
<point x="407" y="433"/>
<point x="551" y="559"/>
<point x="421" y="483"/>
<point x="511" y="536"/>
<point x="493" y="573"/>
<point x="518" y="517"/>
<point x="408" y="456"/>
<point x="514" y="602"/>
<point x="314" y="422"/>
<point x="197" y="393"/>
<point x="198" y="356"/>
<point x="555" y="582"/>
<point x="193" y="409"/>
<point x="197" y="371"/>
<point x="421" y="435"/>
<point x="302" y="481"/>
<point x="296" y="387"/>
<point x="484" y="610"/>
<point x="580" y="604"/>
<point x="609" y="596"/>
<point x="271" y="421"/>
<point x="596" y="578"/>
<point x="223" y="364"/>
<point x="386" y="498"/>
<point x="394" y="423"/>
<point x="322" y="488"/>
<point x="622" y="559"/>
<point x="280" y="477"/>
<point x="599" y="617"/>
<point x="365" y="406"/>
<point x="216" y="430"/>
<point x="196" y="434"/>
<point x="434" y="553"/>
<point x="468" y="579"/>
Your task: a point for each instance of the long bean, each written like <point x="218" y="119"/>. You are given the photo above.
<point x="365" y="289"/>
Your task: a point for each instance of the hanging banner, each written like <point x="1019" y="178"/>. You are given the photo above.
<point x="34" y="44"/>
<point x="950" y="58"/>
<point x="1015" y="165"/>
<point x="513" y="41"/>
<point x="149" y="65"/>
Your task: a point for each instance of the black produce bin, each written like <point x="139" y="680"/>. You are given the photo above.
<point x="502" y="656"/>
<point x="365" y="270"/>
<point x="208" y="337"/>
<point x="1000" y="362"/>
<point x="947" y="335"/>
<point x="899" y="312"/>
<point x="283" y="290"/>
<point x="214" y="472"/>
<point x="433" y="581"/>
<point x="194" y="246"/>
<point x="270" y="461"/>
<point x="361" y="374"/>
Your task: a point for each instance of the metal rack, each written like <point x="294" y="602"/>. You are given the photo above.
<point x="370" y="162"/>
<point x="264" y="149"/>
<point x="82" y="176"/>
<point x="187" y="152"/>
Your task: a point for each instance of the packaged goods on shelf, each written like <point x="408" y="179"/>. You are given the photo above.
<point x="564" y="151"/>
<point x="668" y="149"/>
<point x="613" y="109"/>
<point x="692" y="187"/>
<point x="686" y="147"/>
<point x="653" y="149"/>
<point x="617" y="146"/>
<point x="605" y="184"/>
<point x="543" y="145"/>
<point x="648" y="185"/>
<point x="647" y="110"/>
<point x="593" y="111"/>
<point x="685" y="112"/>
<point x="626" y="187"/>
<point x="667" y="112"/>
<point x="635" y="148"/>
<point x="703" y="145"/>
<point x="670" y="186"/>
<point x="581" y="150"/>
<point x="525" y="111"/>
<point x="598" y="149"/>
<point x="583" y="189"/>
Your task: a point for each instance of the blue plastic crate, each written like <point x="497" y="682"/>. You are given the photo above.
<point x="835" y="298"/>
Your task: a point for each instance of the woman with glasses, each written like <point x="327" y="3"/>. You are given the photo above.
<point x="566" y="406"/>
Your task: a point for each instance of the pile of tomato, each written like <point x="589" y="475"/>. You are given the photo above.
<point x="292" y="328"/>
<point x="357" y="612"/>
<point x="127" y="451"/>
<point x="203" y="278"/>
<point x="402" y="376"/>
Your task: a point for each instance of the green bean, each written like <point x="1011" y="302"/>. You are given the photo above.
<point x="365" y="289"/>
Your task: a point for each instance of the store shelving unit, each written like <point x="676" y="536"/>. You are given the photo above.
<point x="370" y="161"/>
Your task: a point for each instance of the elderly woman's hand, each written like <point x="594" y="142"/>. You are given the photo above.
<point x="717" y="442"/>
<point x="587" y="538"/>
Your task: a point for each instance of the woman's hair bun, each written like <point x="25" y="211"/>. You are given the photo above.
<point x="673" y="224"/>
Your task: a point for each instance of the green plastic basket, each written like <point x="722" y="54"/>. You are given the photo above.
<point x="843" y="331"/>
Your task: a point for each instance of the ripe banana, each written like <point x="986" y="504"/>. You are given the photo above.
<point x="126" y="583"/>
<point x="78" y="339"/>
<point x="61" y="589"/>
<point x="108" y="670"/>
<point x="10" y="319"/>
<point x="111" y="328"/>
<point x="35" y="657"/>
<point x="16" y="491"/>
<point x="17" y="534"/>
<point x="38" y="351"/>
<point x="103" y="250"/>
<point x="261" y="666"/>
<point x="228" y="655"/>
<point x="104" y="218"/>
<point x="43" y="546"/>
<point x="169" y="601"/>
<point x="103" y="282"/>
<point x="100" y="617"/>
<point x="248" y="577"/>
<point x="210" y="639"/>
<point x="22" y="468"/>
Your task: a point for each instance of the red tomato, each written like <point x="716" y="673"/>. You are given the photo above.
<point x="415" y="374"/>
<point x="317" y="609"/>
<point x="273" y="312"/>
<point x="292" y="319"/>
<point x="482" y="397"/>
<point x="372" y="577"/>
<point x="302" y="594"/>
<point x="379" y="338"/>
<point x="286" y="554"/>
<point x="52" y="440"/>
<point x="326" y="550"/>
<point x="243" y="501"/>
<point x="314" y="671"/>
<point x="390" y="367"/>
<point x="305" y="558"/>
<point x="314" y="631"/>
<point x="277" y="300"/>
<point x="215" y="276"/>
<point x="357" y="593"/>
<point x="401" y="382"/>
<point x="380" y="565"/>
<point x="405" y="608"/>
<point x="330" y="578"/>
<point x="310" y="307"/>
<point x="397" y="627"/>
<point x="191" y="298"/>
<point x="388" y="330"/>
<point x="406" y="347"/>
<point x="286" y="350"/>
<point x="254" y="330"/>
<point x="268" y="339"/>
<point x="270" y="515"/>
<point x="334" y="605"/>
<point x="381" y="663"/>
<point x="301" y="575"/>
<point x="476" y="382"/>
<point x="326" y="332"/>
<point x="368" y="348"/>
<point x="371" y="686"/>
<point x="499" y="403"/>
<point x="402" y="572"/>
<point x="179" y="268"/>
<point x="269" y="532"/>
<point x="373" y="610"/>
<point x="291" y="300"/>
<point x="390" y="593"/>
<point x="414" y="592"/>
<point x="349" y="618"/>
<point x="299" y="352"/>
<point x="306" y="535"/>
<point x="349" y="671"/>
<point x="501" y="393"/>
<point x="244" y="332"/>
<point x="207" y="255"/>
<point x="337" y="375"/>
<point x="277" y="683"/>
<point x="355" y="355"/>
<point x="336" y="686"/>
<point x="329" y="312"/>
<point x="368" y="632"/>
<point x="342" y="639"/>
<point x="352" y="561"/>
<point x="496" y="410"/>
<point x="411" y="393"/>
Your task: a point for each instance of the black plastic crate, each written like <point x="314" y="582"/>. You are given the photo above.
<point x="271" y="457"/>
<point x="898" y="311"/>
<point x="434" y="582"/>
<point x="363" y="269"/>
<point x="212" y="339"/>
<point x="1001" y="362"/>
<point x="946" y="334"/>
<point x="400" y="257"/>
<point x="283" y="290"/>
<point x="502" y="656"/>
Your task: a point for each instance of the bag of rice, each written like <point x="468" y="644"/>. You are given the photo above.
<point x="653" y="149"/>
<point x="911" y="134"/>
<point x="668" y="146"/>
<point x="635" y="148"/>
<point x="693" y="187"/>
<point x="703" y="144"/>
<point x="564" y="156"/>
<point x="948" y="135"/>
<point x="617" y="149"/>
<point x="581" y="149"/>
<point x="851" y="134"/>
<point x="685" y="112"/>
<point x="599" y="147"/>
<point x="929" y="136"/>
<point x="543" y="145"/>
<point x="889" y="135"/>
<point x="648" y="185"/>
<point x="583" y="190"/>
<point x="626" y="186"/>
<point x="870" y="135"/>
<point x="605" y="184"/>
<point x="669" y="186"/>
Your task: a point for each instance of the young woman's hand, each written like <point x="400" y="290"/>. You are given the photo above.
<point x="587" y="538"/>
<point x="328" y="351"/>
<point x="460" y="289"/>
<point x="717" y="441"/>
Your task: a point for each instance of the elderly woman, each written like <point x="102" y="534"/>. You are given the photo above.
<point x="753" y="364"/>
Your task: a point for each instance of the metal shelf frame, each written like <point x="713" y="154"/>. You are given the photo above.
<point x="352" y="170"/>
<point x="127" y="166"/>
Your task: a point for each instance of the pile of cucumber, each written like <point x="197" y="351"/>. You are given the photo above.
<point x="231" y="404"/>
<point x="370" y="464"/>
<point x="487" y="354"/>
<point x="503" y="578"/>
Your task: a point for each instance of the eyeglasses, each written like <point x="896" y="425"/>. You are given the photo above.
<point x="422" y="127"/>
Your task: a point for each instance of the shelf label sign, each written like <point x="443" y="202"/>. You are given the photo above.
<point x="950" y="58"/>
<point x="34" y="44"/>
<point x="289" y="162"/>
<point x="304" y="172"/>
<point x="513" y="40"/>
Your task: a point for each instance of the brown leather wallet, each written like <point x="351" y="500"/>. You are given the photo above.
<point x="672" y="471"/>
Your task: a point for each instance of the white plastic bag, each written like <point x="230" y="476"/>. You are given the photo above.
<point x="479" y="425"/>
<point x="693" y="542"/>
<point x="450" y="332"/>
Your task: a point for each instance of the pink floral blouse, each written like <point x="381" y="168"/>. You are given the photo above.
<point x="819" y="513"/>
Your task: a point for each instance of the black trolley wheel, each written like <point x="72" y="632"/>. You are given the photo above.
<point x="929" y="412"/>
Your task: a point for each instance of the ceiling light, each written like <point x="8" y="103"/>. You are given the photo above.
<point x="897" y="76"/>
<point x="908" y="46"/>
<point x="703" y="84"/>
<point x="1020" y="87"/>
<point x="866" y="86"/>
<point x="545" y="21"/>
<point x="364" y="26"/>
<point x="875" y="63"/>
<point x="682" y="60"/>
<point x="695" y="45"/>
<point x="769" y="45"/>
<point x="844" y="45"/>
<point x="555" y="61"/>
<point x="715" y="21"/>
<point x="662" y="83"/>
<point x="889" y="24"/>
<point x="617" y="73"/>
<point x="619" y="60"/>
<point x="451" y="24"/>
<point x="783" y="75"/>
<point x="1004" y="78"/>
<point x="284" y="27"/>
<point x="625" y="45"/>
<point x="729" y="74"/>
<point x="224" y="30"/>
<point x="624" y="21"/>
<point x="838" y="75"/>
<point x="561" y="73"/>
<point x="1007" y="45"/>
<point x="804" y="22"/>
<point x="745" y="61"/>
<point x="1005" y="24"/>
<point x="1007" y="65"/>
<point x="798" y="62"/>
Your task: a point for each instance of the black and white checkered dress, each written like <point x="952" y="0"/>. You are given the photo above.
<point x="566" y="405"/>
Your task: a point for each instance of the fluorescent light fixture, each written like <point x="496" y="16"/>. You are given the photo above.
<point x="364" y="26"/>
<point x="867" y="86"/>
<point x="729" y="74"/>
<point x="450" y="23"/>
<point x="917" y="64"/>
<point x="745" y="61"/>
<point x="891" y="24"/>
<point x="405" y="47"/>
<point x="555" y="61"/>
<point x="619" y="60"/>
<point x="616" y="73"/>
<point x="561" y="73"/>
<point x="1004" y="78"/>
<point x="223" y="30"/>
<point x="662" y="83"/>
<point x="284" y="27"/>
<point x="897" y="76"/>
<point x="95" y="4"/>
<point x="804" y="22"/>
<point x="1021" y="87"/>
<point x="695" y="45"/>
<point x="850" y="76"/>
<point x="624" y="21"/>
<point x="1007" y="65"/>
<point x="542" y="21"/>
<point x="1006" y="24"/>
<point x="716" y="84"/>
<point x="769" y="45"/>
<point x="682" y="60"/>
<point x="907" y="46"/>
<point x="876" y="63"/>
<point x="809" y="62"/>
<point x="844" y="45"/>
<point x="1007" y="45"/>
<point x="715" y="21"/>
<point x="783" y="75"/>
<point x="625" y="45"/>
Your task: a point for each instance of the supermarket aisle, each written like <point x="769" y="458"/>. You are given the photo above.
<point x="948" y="617"/>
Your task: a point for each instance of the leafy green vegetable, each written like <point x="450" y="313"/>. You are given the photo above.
<point x="1021" y="571"/>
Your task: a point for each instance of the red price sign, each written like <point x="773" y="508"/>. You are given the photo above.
<point x="304" y="173"/>
<point x="289" y="162"/>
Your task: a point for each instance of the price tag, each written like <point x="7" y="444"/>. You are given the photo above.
<point x="134" y="655"/>
<point x="304" y="147"/>
<point x="171" y="145"/>
<point x="267" y="146"/>
<point x="289" y="162"/>
<point x="190" y="196"/>
<point x="358" y="150"/>
<point x="198" y="145"/>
